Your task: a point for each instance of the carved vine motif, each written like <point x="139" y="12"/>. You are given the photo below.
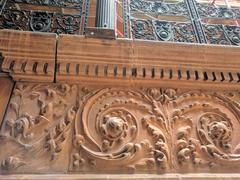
<point x="68" y="24"/>
<point x="215" y="129"/>
<point x="213" y="144"/>
<point x="129" y="129"/>
<point x="183" y="32"/>
<point x="113" y="135"/>
<point x="222" y="34"/>
<point x="236" y="12"/>
<point x="43" y="129"/>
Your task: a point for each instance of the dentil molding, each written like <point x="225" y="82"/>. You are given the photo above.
<point x="41" y="57"/>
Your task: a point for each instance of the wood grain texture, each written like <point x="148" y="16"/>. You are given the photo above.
<point x="206" y="176"/>
<point x="28" y="56"/>
<point x="32" y="56"/>
<point x="136" y="62"/>
<point x="6" y="85"/>
<point x="73" y="128"/>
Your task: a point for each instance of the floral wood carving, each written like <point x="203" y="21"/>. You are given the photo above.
<point x="38" y="121"/>
<point x="71" y="128"/>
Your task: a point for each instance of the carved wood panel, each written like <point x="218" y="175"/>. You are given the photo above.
<point x="74" y="128"/>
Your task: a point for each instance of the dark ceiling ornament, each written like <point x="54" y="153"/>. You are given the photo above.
<point x="40" y="21"/>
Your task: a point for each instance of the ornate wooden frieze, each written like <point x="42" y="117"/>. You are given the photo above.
<point x="75" y="128"/>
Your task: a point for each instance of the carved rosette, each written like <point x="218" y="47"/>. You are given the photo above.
<point x="205" y="131"/>
<point x="36" y="127"/>
<point x="115" y="128"/>
<point x="110" y="130"/>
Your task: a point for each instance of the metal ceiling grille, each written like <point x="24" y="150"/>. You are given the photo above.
<point x="185" y="21"/>
<point x="57" y="16"/>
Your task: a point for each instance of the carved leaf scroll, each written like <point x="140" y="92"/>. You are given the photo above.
<point x="72" y="128"/>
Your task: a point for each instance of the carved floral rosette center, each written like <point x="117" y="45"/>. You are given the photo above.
<point x="110" y="123"/>
<point x="150" y="130"/>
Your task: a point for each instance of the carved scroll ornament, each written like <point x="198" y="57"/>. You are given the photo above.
<point x="71" y="128"/>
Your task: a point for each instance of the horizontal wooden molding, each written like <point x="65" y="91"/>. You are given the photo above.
<point x="145" y="62"/>
<point x="30" y="56"/>
<point x="76" y="128"/>
<point x="172" y="176"/>
<point x="67" y="70"/>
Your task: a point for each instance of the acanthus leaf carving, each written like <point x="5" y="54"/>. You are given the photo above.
<point x="130" y="129"/>
<point x="42" y="131"/>
<point x="11" y="163"/>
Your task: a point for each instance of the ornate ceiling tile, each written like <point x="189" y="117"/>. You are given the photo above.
<point x="158" y="7"/>
<point x="40" y="21"/>
<point x="71" y="4"/>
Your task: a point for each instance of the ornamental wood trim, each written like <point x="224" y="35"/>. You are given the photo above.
<point x="119" y="106"/>
<point x="76" y="128"/>
<point x="145" y="62"/>
<point x="32" y="56"/>
<point x="28" y="56"/>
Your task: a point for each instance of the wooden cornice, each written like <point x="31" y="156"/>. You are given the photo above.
<point x="119" y="62"/>
<point x="28" y="56"/>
